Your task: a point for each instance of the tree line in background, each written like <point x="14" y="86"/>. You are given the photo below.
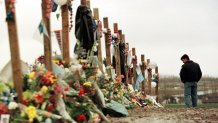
<point x="171" y="86"/>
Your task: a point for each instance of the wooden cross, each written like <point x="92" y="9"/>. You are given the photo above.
<point x="117" y="50"/>
<point x="156" y="89"/>
<point x="127" y="68"/>
<point x="149" y="77"/>
<point x="134" y="65"/>
<point x="65" y="34"/>
<point x="15" y="53"/>
<point x="83" y="2"/>
<point x="107" y="44"/>
<point x="47" y="39"/>
<point x="96" y="17"/>
<point x="143" y="67"/>
<point x="88" y="3"/>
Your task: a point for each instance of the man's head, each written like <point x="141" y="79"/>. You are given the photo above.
<point x="185" y="58"/>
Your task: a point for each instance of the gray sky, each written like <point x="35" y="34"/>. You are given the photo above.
<point x="163" y="30"/>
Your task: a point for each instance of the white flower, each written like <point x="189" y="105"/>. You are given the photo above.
<point x="99" y="73"/>
<point x="12" y="105"/>
<point x="109" y="67"/>
<point x="29" y="80"/>
<point x="60" y="2"/>
<point x="66" y="70"/>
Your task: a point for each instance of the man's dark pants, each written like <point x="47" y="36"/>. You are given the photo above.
<point x="190" y="94"/>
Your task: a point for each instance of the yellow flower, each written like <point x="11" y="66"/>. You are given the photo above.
<point x="55" y="61"/>
<point x="31" y="113"/>
<point x="52" y="79"/>
<point x="92" y="77"/>
<point x="44" y="89"/>
<point x="31" y="75"/>
<point x="87" y="84"/>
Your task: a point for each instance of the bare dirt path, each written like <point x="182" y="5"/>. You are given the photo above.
<point x="169" y="115"/>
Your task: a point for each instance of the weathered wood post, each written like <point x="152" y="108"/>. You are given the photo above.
<point x="96" y="17"/>
<point x="115" y="28"/>
<point x="127" y="67"/>
<point x="107" y="43"/>
<point x="149" y="77"/>
<point x="47" y="39"/>
<point x="65" y="34"/>
<point x="117" y="50"/>
<point x="122" y="55"/>
<point x="88" y="3"/>
<point x="123" y="38"/>
<point x="134" y="61"/>
<point x="143" y="67"/>
<point x="120" y="33"/>
<point x="14" y="49"/>
<point x="156" y="89"/>
<point x="83" y="2"/>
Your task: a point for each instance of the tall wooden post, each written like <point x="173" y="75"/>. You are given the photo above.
<point x="88" y="3"/>
<point x="156" y="89"/>
<point x="134" y="65"/>
<point x="47" y="39"/>
<point x="127" y="67"/>
<point x="149" y="77"/>
<point x="115" y="28"/>
<point x="15" y="53"/>
<point x="65" y="34"/>
<point x="83" y="2"/>
<point x="120" y="33"/>
<point x="143" y="67"/>
<point x="96" y="17"/>
<point x="117" y="50"/>
<point x="123" y="38"/>
<point x="107" y="43"/>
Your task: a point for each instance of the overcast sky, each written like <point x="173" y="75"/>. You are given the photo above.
<point x="163" y="30"/>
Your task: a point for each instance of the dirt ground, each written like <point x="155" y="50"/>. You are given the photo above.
<point x="169" y="115"/>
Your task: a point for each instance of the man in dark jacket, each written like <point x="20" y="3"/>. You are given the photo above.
<point x="190" y="74"/>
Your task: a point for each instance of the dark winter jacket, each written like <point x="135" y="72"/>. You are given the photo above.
<point x="190" y="72"/>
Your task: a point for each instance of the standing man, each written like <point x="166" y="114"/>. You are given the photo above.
<point x="190" y="74"/>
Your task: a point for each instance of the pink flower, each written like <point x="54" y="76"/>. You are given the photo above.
<point x="58" y="89"/>
<point x="122" y="76"/>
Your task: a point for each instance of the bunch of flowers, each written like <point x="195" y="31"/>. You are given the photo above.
<point x="7" y="92"/>
<point x="59" y="61"/>
<point x="41" y="92"/>
<point x="87" y="89"/>
<point x="118" y="79"/>
<point x="80" y="105"/>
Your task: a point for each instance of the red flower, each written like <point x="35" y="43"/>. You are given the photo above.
<point x="50" y="107"/>
<point x="24" y="102"/>
<point x="81" y="92"/>
<point x="84" y="67"/>
<point x="3" y="109"/>
<point x="41" y="59"/>
<point x="53" y="99"/>
<point x="66" y="89"/>
<point x="38" y="98"/>
<point x="81" y="118"/>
